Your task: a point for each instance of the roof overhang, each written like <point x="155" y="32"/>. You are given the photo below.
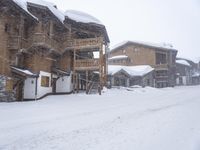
<point x="23" y="72"/>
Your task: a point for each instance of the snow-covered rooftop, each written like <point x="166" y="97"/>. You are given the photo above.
<point x="72" y="14"/>
<point x="50" y="6"/>
<point x="23" y="5"/>
<point x="27" y="72"/>
<point x="81" y="17"/>
<point x="196" y="74"/>
<point x="183" y="62"/>
<point x="118" y="57"/>
<point x="131" y="70"/>
<point x="162" y="46"/>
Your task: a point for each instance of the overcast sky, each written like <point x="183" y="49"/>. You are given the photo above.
<point x="170" y="21"/>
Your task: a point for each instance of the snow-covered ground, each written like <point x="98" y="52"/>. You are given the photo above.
<point x="120" y="119"/>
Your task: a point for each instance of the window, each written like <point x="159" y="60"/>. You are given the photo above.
<point x="45" y="81"/>
<point x="32" y="81"/>
<point x="148" y="82"/>
<point x="7" y="28"/>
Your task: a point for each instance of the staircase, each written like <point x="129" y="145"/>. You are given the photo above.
<point x="94" y="86"/>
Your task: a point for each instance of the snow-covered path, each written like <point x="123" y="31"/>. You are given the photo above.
<point x="145" y="118"/>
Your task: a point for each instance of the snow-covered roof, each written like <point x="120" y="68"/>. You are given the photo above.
<point x="23" y="5"/>
<point x="50" y="6"/>
<point x="118" y="57"/>
<point x="196" y="74"/>
<point x="81" y="17"/>
<point x="183" y="62"/>
<point x="197" y="60"/>
<point x="131" y="70"/>
<point x="161" y="46"/>
<point x="27" y="72"/>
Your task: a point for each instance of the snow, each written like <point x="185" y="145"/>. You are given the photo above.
<point x="140" y="70"/>
<point x="118" y="57"/>
<point x="162" y="45"/>
<point x="81" y="17"/>
<point x="72" y="14"/>
<point x="141" y="119"/>
<point x="183" y="62"/>
<point x="23" y="5"/>
<point x="50" y="6"/>
<point x="119" y="45"/>
<point x="196" y="74"/>
<point x="24" y="71"/>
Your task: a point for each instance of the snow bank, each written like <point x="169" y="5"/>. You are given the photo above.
<point x="183" y="62"/>
<point x="131" y="70"/>
<point x="142" y="119"/>
<point x="81" y="17"/>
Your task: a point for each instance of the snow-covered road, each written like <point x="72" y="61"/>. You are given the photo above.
<point x="145" y="118"/>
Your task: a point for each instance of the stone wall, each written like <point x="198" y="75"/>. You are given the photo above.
<point x="5" y="96"/>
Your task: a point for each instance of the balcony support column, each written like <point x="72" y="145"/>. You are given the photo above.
<point x="101" y="67"/>
<point x="74" y="72"/>
<point x="87" y="88"/>
<point x="51" y="29"/>
<point x="21" y="30"/>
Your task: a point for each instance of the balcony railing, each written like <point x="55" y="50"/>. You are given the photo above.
<point x="85" y="43"/>
<point x="14" y="42"/>
<point x="161" y="66"/>
<point x="87" y="64"/>
<point x="17" y="42"/>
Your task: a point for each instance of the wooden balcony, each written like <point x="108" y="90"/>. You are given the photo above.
<point x="17" y="42"/>
<point x="86" y="64"/>
<point x="81" y="44"/>
<point x="43" y="39"/>
<point x="14" y="42"/>
<point x="161" y="66"/>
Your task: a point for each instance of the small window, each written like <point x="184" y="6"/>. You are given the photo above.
<point x="45" y="81"/>
<point x="32" y="81"/>
<point x="7" y="28"/>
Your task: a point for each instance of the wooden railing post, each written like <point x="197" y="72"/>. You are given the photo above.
<point x="74" y="61"/>
<point x="87" y="88"/>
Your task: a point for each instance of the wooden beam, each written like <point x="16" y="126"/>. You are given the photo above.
<point x="87" y="88"/>
<point x="74" y="61"/>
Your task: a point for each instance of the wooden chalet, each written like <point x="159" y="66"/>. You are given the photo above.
<point x="130" y="76"/>
<point x="160" y="57"/>
<point x="45" y="52"/>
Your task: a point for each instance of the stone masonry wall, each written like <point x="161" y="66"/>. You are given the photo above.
<point x="5" y="96"/>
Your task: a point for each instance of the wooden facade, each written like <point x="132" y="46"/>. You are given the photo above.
<point x="124" y="79"/>
<point x="162" y="59"/>
<point x="40" y="43"/>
